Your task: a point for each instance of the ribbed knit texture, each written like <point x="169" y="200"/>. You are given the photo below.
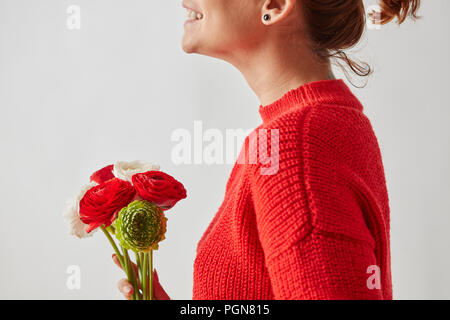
<point x="312" y="230"/>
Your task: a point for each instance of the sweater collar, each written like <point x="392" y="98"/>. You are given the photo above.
<point x="333" y="91"/>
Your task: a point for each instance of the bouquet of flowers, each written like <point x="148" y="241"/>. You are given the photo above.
<point x="127" y="201"/>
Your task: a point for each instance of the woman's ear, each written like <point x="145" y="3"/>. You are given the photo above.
<point x="273" y="11"/>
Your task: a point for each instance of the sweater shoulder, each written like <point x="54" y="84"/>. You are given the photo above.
<point x="320" y="120"/>
<point x="329" y="131"/>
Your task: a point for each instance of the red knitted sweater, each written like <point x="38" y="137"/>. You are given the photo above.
<point x="318" y="227"/>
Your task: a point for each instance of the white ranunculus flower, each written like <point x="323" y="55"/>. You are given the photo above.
<point x="125" y="170"/>
<point x="72" y="214"/>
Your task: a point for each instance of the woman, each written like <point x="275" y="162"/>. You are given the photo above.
<point x="317" y="227"/>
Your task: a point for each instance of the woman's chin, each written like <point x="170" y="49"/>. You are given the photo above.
<point x="188" y="45"/>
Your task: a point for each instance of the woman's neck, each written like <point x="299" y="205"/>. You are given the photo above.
<point x="274" y="69"/>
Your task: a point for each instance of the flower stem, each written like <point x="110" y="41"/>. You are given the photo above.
<point x="145" y="276"/>
<point x="150" y="274"/>
<point x="113" y="244"/>
<point x="131" y="275"/>
<point x="138" y="263"/>
<point x="124" y="262"/>
<point x="127" y="271"/>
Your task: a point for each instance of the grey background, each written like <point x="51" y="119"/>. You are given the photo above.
<point x="72" y="101"/>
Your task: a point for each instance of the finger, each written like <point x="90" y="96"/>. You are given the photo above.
<point x="116" y="261"/>
<point x="125" y="288"/>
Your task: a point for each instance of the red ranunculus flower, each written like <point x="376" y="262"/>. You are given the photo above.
<point x="159" y="188"/>
<point x="103" y="175"/>
<point x="101" y="203"/>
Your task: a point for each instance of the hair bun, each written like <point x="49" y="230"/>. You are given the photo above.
<point x="390" y="9"/>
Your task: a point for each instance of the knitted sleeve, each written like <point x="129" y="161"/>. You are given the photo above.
<point x="310" y="219"/>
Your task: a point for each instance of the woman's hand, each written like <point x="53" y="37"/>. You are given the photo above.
<point x="127" y="289"/>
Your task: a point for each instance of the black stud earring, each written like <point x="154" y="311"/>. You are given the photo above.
<point x="266" y="17"/>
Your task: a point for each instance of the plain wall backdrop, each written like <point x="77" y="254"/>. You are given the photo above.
<point x="75" y="100"/>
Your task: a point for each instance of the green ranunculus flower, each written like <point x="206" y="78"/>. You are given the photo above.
<point x="140" y="226"/>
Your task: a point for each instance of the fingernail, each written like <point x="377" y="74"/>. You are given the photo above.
<point x="127" y="289"/>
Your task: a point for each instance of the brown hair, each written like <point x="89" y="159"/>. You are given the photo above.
<point x="336" y="25"/>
